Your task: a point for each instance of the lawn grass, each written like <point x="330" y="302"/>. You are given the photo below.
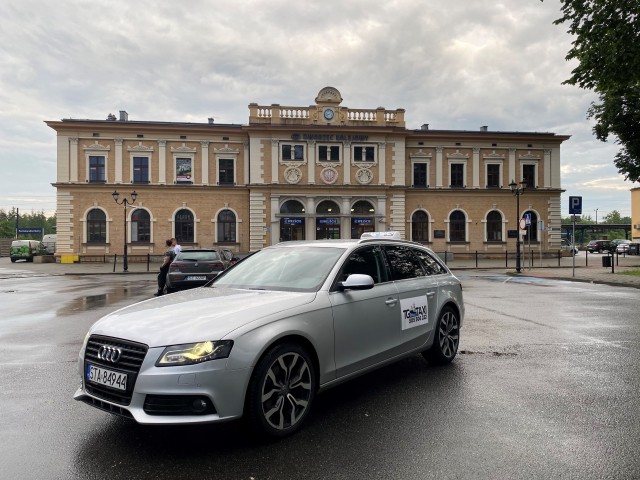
<point x="635" y="273"/>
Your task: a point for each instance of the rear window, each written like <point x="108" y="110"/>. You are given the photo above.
<point x="197" y="256"/>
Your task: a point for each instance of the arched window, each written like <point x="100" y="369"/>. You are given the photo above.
<point x="362" y="207"/>
<point x="494" y="226"/>
<point x="96" y="226"/>
<point x="362" y="218"/>
<point x="226" y="226"/>
<point x="328" y="206"/>
<point x="457" y="226"/>
<point x="532" y="230"/>
<point x="140" y="226"/>
<point x="184" y="226"/>
<point x="420" y="226"/>
<point x="292" y="223"/>
<point x="328" y="226"/>
<point x="292" y="206"/>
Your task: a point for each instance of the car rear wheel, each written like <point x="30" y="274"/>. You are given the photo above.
<point x="447" y="338"/>
<point x="281" y="391"/>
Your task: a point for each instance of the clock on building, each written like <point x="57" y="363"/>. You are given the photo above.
<point x="328" y="114"/>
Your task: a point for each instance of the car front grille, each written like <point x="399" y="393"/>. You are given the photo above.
<point x="130" y="362"/>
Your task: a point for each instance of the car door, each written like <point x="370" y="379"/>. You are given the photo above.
<point x="418" y="294"/>
<point x="366" y="322"/>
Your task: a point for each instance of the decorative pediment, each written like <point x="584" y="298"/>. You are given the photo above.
<point x="226" y="150"/>
<point x="457" y="155"/>
<point x="329" y="95"/>
<point x="493" y="156"/>
<point x="529" y="156"/>
<point x="97" y="147"/>
<point x="140" y="148"/>
<point x="183" y="149"/>
<point x="420" y="154"/>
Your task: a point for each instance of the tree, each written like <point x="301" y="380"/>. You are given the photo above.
<point x="33" y="219"/>
<point x="607" y="47"/>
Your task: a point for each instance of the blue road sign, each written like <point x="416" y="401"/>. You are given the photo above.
<point x="575" y="205"/>
<point x="527" y="219"/>
<point x="30" y="231"/>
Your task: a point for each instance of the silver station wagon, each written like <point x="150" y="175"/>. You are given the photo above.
<point x="272" y="331"/>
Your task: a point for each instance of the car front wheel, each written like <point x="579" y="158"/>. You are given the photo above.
<point x="281" y="390"/>
<point x="447" y="338"/>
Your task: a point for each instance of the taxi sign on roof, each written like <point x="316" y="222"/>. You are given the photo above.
<point x="385" y="235"/>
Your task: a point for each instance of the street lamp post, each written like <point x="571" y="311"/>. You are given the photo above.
<point x="124" y="202"/>
<point x="517" y="191"/>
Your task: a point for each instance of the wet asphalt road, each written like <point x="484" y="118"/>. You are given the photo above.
<point x="546" y="386"/>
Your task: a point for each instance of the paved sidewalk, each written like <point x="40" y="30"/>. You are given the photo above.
<point x="593" y="273"/>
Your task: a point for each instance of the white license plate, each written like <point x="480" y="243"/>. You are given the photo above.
<point x="196" y="277"/>
<point x="106" y="377"/>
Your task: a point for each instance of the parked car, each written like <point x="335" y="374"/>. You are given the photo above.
<point x="622" y="246"/>
<point x="25" y="250"/>
<point x="49" y="243"/>
<point x="194" y="268"/>
<point x="266" y="335"/>
<point x="566" y="246"/>
<point x="598" y="246"/>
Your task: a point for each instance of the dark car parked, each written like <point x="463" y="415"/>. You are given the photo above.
<point x="194" y="268"/>
<point x="599" y="246"/>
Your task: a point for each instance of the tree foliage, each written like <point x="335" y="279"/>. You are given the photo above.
<point x="26" y="220"/>
<point x="607" y="47"/>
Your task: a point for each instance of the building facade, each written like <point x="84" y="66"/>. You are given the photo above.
<point x="292" y="173"/>
<point x="635" y="214"/>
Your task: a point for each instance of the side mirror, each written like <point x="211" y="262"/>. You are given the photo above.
<point x="356" y="281"/>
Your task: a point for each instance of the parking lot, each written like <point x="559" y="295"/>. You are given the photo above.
<point x="545" y="386"/>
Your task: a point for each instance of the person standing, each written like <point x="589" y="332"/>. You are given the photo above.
<point x="176" y="248"/>
<point x="169" y="255"/>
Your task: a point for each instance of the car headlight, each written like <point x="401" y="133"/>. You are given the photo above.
<point x="190" y="353"/>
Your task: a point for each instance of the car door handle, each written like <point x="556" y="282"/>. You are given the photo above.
<point x="430" y="294"/>
<point x="391" y="301"/>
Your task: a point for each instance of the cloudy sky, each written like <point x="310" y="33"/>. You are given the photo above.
<point x="454" y="64"/>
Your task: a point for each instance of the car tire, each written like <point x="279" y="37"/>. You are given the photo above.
<point x="446" y="338"/>
<point x="281" y="391"/>
<point x="13" y="260"/>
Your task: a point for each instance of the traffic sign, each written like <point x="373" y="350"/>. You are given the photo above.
<point x="527" y="219"/>
<point x="30" y="231"/>
<point x="523" y="224"/>
<point x="575" y="205"/>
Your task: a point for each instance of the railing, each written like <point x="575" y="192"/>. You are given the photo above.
<point x="284" y="115"/>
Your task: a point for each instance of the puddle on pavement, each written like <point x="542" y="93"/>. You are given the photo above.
<point x="116" y="294"/>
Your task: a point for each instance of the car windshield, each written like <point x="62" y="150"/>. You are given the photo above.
<point x="187" y="256"/>
<point x="297" y="269"/>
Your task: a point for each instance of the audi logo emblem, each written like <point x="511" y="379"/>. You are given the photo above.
<point x="109" y="354"/>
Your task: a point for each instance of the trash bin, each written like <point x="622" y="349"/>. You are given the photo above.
<point x="634" y="249"/>
<point x="606" y="261"/>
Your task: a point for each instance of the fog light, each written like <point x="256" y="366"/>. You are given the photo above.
<point x="198" y="405"/>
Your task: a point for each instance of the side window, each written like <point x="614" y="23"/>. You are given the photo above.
<point x="403" y="262"/>
<point x="431" y="265"/>
<point x="365" y="261"/>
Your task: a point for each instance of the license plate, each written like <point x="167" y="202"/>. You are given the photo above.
<point x="106" y="377"/>
<point x="196" y="277"/>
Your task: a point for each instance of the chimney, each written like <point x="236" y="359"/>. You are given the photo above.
<point x="484" y="128"/>
<point x="210" y="120"/>
<point x="425" y="126"/>
<point x="124" y="116"/>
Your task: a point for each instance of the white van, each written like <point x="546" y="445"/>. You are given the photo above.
<point x="49" y="243"/>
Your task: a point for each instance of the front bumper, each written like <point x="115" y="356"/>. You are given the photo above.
<point x="223" y="389"/>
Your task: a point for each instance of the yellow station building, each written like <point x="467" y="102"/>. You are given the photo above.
<point x="291" y="173"/>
